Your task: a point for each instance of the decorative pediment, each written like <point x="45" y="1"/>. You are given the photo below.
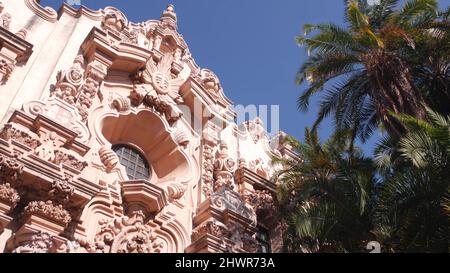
<point x="61" y="112"/>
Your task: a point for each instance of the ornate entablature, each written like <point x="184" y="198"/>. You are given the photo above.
<point x="105" y="158"/>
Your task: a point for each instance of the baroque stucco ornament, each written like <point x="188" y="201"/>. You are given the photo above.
<point x="125" y="235"/>
<point x="127" y="84"/>
<point x="159" y="88"/>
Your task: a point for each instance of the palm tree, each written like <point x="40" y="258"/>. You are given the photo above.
<point x="412" y="212"/>
<point x="362" y="67"/>
<point x="324" y="197"/>
<point x="430" y="60"/>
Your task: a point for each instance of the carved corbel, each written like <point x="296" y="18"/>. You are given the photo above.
<point x="10" y="169"/>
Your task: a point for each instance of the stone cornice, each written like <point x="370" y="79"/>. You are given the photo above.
<point x="46" y="13"/>
<point x="22" y="48"/>
<point x="121" y="56"/>
<point x="244" y="175"/>
<point x="96" y="15"/>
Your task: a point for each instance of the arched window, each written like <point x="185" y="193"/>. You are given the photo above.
<point x="135" y="163"/>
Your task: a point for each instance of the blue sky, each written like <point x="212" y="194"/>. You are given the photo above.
<point x="249" y="44"/>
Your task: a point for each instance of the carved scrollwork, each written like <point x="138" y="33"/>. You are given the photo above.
<point x="212" y="227"/>
<point x="176" y="191"/>
<point x="126" y="235"/>
<point x="121" y="104"/>
<point x="69" y="82"/>
<point x="231" y="200"/>
<point x="69" y="158"/>
<point x="259" y="168"/>
<point x="61" y="112"/>
<point x="114" y="20"/>
<point x="256" y="130"/>
<point x="5" y="18"/>
<point x="181" y="138"/>
<point x="6" y="69"/>
<point x="208" y="169"/>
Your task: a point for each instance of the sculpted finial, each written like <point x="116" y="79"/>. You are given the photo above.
<point x="169" y="17"/>
<point x="170" y="8"/>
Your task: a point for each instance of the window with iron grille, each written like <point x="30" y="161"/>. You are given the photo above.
<point x="263" y="237"/>
<point x="134" y="162"/>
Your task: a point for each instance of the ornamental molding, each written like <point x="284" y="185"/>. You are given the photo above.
<point x="20" y="134"/>
<point x="49" y="211"/>
<point x="60" y="112"/>
<point x="46" y="13"/>
<point x="125" y="235"/>
<point x="227" y="200"/>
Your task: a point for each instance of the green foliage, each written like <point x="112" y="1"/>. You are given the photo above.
<point x="377" y="64"/>
<point x="413" y="201"/>
<point x="387" y="69"/>
<point x="325" y="195"/>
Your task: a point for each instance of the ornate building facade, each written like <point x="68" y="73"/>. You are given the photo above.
<point x="105" y="145"/>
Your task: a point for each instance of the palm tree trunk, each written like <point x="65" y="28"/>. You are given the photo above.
<point x="396" y="91"/>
